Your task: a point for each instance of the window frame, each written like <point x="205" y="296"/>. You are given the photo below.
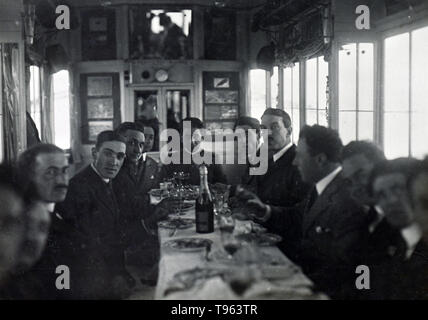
<point x="395" y="31"/>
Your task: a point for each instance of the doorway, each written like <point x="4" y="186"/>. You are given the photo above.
<point x="169" y="104"/>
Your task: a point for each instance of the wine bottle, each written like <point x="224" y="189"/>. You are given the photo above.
<point x="204" y="209"/>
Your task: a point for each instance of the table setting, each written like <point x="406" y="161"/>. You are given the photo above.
<point x="239" y="260"/>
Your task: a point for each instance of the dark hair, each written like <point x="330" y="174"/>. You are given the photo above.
<point x="27" y="160"/>
<point x="194" y="122"/>
<point x="421" y="168"/>
<point x="248" y="121"/>
<point x="279" y="113"/>
<point x="320" y="139"/>
<point x="26" y="166"/>
<point x="125" y="126"/>
<point x="366" y="148"/>
<point x="146" y="123"/>
<point x="108" y="135"/>
<point x="405" y="166"/>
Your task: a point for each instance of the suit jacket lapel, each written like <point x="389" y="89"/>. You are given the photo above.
<point x="322" y="203"/>
<point x="101" y="192"/>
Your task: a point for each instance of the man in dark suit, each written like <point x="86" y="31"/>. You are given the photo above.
<point x="419" y="198"/>
<point x="91" y="207"/>
<point x="358" y="160"/>
<point x="138" y="175"/>
<point x="190" y="148"/>
<point x="329" y="220"/>
<point x="403" y="273"/>
<point x="149" y="135"/>
<point x="43" y="177"/>
<point x="282" y="184"/>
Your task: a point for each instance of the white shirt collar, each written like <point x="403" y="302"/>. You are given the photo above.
<point x="379" y="217"/>
<point x="324" y="182"/>
<point x="50" y="206"/>
<point x="96" y="171"/>
<point x="411" y="235"/>
<point x="144" y="156"/>
<point x="281" y="152"/>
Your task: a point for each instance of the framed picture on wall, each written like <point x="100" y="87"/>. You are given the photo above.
<point x="100" y="86"/>
<point x="99" y="34"/>
<point x="100" y="102"/>
<point x="220" y="34"/>
<point x="95" y="127"/>
<point x="221" y="99"/>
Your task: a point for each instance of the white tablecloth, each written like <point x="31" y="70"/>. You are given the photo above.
<point x="284" y="286"/>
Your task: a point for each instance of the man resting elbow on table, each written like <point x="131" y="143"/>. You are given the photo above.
<point x="328" y="221"/>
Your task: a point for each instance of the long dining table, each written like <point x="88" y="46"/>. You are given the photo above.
<point x="209" y="274"/>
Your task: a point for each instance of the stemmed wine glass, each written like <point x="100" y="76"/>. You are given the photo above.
<point x="230" y="243"/>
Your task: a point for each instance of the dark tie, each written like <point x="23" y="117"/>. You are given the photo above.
<point x="312" y="198"/>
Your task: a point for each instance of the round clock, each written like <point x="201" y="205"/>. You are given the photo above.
<point x="161" y="75"/>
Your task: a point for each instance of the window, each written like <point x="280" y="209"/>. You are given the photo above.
<point x="160" y="33"/>
<point x="35" y="101"/>
<point x="265" y="91"/>
<point x="258" y="93"/>
<point x="292" y="97"/>
<point x="316" y="91"/>
<point x="356" y="86"/>
<point x="405" y="97"/>
<point x="274" y="88"/>
<point x="61" y="107"/>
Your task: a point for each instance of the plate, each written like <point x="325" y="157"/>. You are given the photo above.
<point x="261" y="239"/>
<point x="180" y="223"/>
<point x="187" y="206"/>
<point x="186" y="279"/>
<point x="188" y="244"/>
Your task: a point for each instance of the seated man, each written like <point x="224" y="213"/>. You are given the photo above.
<point x="400" y="273"/>
<point x="238" y="172"/>
<point x="142" y="172"/>
<point x="149" y="134"/>
<point x="43" y="177"/>
<point x="282" y="184"/>
<point x="192" y="138"/>
<point x="419" y="196"/>
<point x="358" y="160"/>
<point x="11" y="225"/>
<point x="93" y="210"/>
<point x="328" y="224"/>
<point x="138" y="175"/>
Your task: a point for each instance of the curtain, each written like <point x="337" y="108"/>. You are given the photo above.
<point x="46" y="107"/>
<point x="306" y="39"/>
<point x="10" y="90"/>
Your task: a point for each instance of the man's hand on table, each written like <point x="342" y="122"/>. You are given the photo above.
<point x="165" y="207"/>
<point x="161" y="212"/>
<point x="261" y="211"/>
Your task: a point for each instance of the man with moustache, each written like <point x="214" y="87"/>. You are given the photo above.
<point x="43" y="176"/>
<point x="91" y="207"/>
<point x="281" y="185"/>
